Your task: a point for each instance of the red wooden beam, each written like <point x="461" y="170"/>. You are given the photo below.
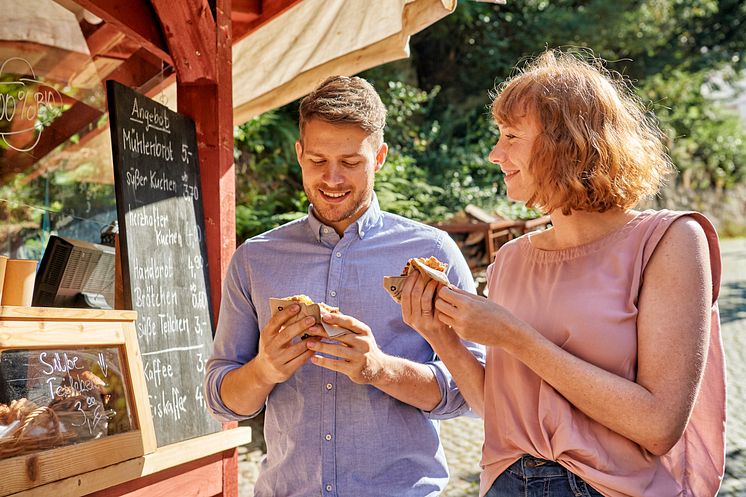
<point x="230" y="469"/>
<point x="209" y="101"/>
<point x="136" y="72"/>
<point x="69" y="123"/>
<point x="204" y="93"/>
<point x="270" y="9"/>
<point x="135" y="18"/>
<point x="190" y="35"/>
<point x="202" y="48"/>
<point x="105" y="37"/>
<point x="245" y="10"/>
<point x="200" y="477"/>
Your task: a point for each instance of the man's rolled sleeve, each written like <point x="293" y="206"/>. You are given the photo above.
<point x="452" y="403"/>
<point x="236" y="338"/>
<point x="215" y="405"/>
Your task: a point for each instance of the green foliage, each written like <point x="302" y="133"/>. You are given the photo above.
<point x="69" y="198"/>
<point x="667" y="48"/>
<point x="438" y="161"/>
<point x="458" y="160"/>
<point x="439" y="128"/>
<point x="269" y="187"/>
<point x="403" y="188"/>
<point x="402" y="185"/>
<point x="478" y="45"/>
<point x="71" y="203"/>
<point x="707" y="141"/>
<point x="515" y="210"/>
<point x="406" y="127"/>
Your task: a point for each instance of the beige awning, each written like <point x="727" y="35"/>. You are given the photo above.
<point x="284" y="59"/>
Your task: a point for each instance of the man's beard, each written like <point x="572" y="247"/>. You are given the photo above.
<point x="332" y="213"/>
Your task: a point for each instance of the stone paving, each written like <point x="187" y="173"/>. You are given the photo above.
<point x="462" y="437"/>
<point x="733" y="318"/>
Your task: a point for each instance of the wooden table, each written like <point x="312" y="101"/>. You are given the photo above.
<point x="495" y="233"/>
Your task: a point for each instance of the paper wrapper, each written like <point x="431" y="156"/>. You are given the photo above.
<point x="313" y="310"/>
<point x="394" y="284"/>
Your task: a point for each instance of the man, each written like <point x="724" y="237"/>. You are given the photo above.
<point x="353" y="416"/>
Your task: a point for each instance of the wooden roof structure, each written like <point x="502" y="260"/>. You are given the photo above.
<point x="222" y="62"/>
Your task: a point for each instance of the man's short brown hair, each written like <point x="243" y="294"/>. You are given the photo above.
<point x="345" y="100"/>
<point x="598" y="146"/>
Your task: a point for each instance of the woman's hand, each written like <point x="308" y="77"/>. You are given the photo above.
<point x="418" y="310"/>
<point x="478" y="319"/>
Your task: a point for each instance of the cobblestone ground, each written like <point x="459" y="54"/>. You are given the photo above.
<point x="733" y="317"/>
<point x="462" y="440"/>
<point x="462" y="437"/>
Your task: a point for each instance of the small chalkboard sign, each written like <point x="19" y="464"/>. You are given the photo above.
<point x="81" y="389"/>
<point x="164" y="257"/>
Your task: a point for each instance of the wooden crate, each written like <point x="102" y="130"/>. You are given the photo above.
<point x="40" y="332"/>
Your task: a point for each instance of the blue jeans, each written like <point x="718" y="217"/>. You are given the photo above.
<point x="533" y="477"/>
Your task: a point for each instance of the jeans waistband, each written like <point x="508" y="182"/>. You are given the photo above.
<point x="529" y="466"/>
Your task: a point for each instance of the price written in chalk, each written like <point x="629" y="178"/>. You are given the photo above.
<point x="193" y="237"/>
<point x="186" y="154"/>
<point x="199" y="297"/>
<point x="195" y="265"/>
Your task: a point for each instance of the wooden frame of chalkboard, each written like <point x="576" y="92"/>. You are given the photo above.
<point x="164" y="257"/>
<point x="43" y="332"/>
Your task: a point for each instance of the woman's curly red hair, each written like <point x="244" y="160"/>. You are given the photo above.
<point x="598" y="147"/>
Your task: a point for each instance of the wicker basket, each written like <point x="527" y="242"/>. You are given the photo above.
<point x="64" y="421"/>
<point x="39" y="430"/>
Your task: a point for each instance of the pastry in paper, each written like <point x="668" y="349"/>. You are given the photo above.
<point x="309" y="308"/>
<point x="430" y="267"/>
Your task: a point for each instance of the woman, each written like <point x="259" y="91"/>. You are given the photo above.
<point x="604" y="371"/>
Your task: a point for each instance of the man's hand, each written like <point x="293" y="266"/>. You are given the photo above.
<point x="359" y="357"/>
<point x="281" y="351"/>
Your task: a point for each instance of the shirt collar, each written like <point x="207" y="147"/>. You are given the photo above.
<point x="371" y="218"/>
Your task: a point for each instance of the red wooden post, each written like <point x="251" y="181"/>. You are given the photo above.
<point x="201" y="48"/>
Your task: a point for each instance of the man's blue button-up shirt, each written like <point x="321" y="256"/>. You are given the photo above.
<point x="327" y="436"/>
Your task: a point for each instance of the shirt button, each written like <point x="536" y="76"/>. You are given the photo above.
<point x="325" y="230"/>
<point x="328" y="386"/>
<point x="328" y="488"/>
<point x="333" y="293"/>
<point x="338" y="254"/>
<point x="328" y="437"/>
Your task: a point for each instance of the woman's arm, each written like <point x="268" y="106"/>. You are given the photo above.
<point x="673" y="329"/>
<point x="418" y="312"/>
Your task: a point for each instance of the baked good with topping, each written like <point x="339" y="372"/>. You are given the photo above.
<point x="309" y="308"/>
<point x="430" y="267"/>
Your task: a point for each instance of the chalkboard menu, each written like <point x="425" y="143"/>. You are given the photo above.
<point x="164" y="257"/>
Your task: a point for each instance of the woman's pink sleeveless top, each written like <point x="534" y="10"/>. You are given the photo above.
<point x="585" y="300"/>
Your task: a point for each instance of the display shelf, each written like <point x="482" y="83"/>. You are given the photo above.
<point x="73" y="394"/>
